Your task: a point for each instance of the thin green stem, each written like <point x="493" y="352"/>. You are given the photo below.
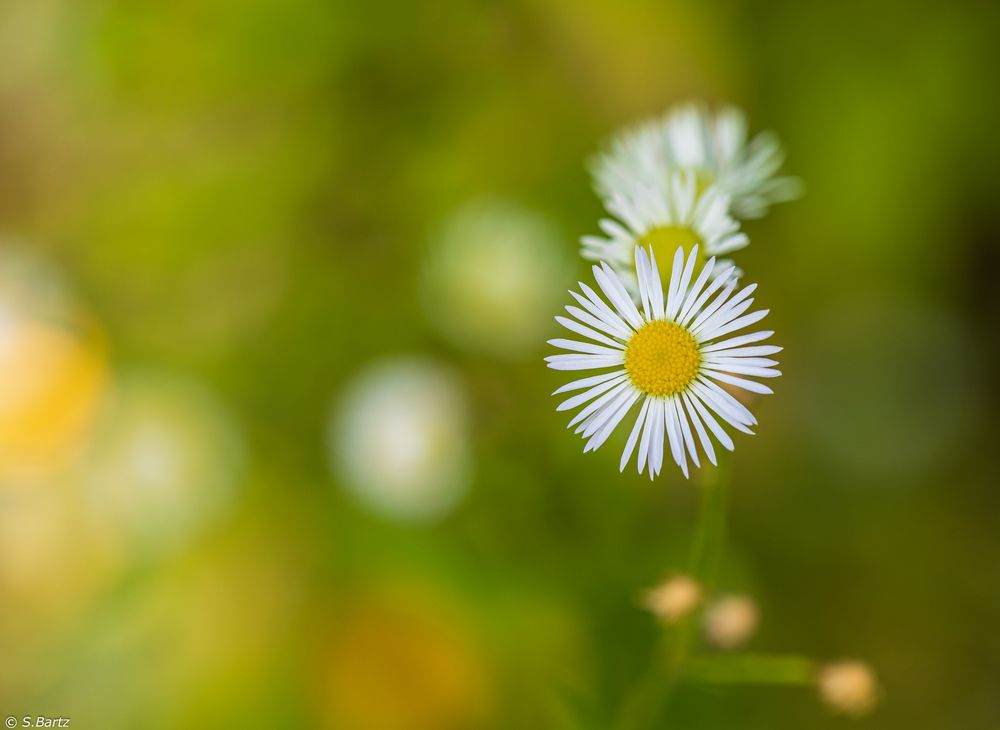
<point x="768" y="669"/>
<point x="668" y="657"/>
<point x="709" y="537"/>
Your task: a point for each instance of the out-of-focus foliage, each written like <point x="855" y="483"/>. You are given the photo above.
<point x="260" y="201"/>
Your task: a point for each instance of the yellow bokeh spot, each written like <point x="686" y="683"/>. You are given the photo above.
<point x="52" y="382"/>
<point x="398" y="664"/>
<point x="665" y="240"/>
<point x="662" y="358"/>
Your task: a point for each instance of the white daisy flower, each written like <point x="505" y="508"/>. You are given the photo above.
<point x="662" y="222"/>
<point x="669" y="357"/>
<point x="713" y="147"/>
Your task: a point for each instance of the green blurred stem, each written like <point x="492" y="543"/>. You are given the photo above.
<point x="709" y="536"/>
<point x="750" y="669"/>
<point x="706" y="551"/>
<point x="666" y="664"/>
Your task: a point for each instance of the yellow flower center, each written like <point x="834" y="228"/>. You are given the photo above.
<point x="665" y="240"/>
<point x="662" y="358"/>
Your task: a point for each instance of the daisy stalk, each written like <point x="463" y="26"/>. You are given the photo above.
<point x="668" y="355"/>
<point x="669" y="657"/>
<point x="672" y="350"/>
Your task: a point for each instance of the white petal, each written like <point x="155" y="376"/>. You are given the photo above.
<point x="615" y="291"/>
<point x="685" y="432"/>
<point x="655" y="287"/>
<point x="697" y="308"/>
<point x="737" y="369"/>
<point x="710" y="309"/>
<point x="742" y="412"/>
<point x="682" y="287"/>
<point x="748" y="351"/>
<point x="737" y="341"/>
<point x="598" y="324"/>
<point x="723" y="404"/>
<point x="706" y="442"/>
<point x="601" y="416"/>
<point x="606" y="412"/>
<point x="601" y="310"/>
<point x="718" y="361"/>
<point x="581" y="398"/>
<point x="642" y="271"/>
<point x="586" y="347"/>
<point x="750" y="385"/>
<point x="587" y="382"/>
<point x="588" y="332"/>
<point x="710" y="421"/>
<point x="674" y="438"/>
<point x="634" y="435"/>
<point x="656" y="447"/>
<point x="673" y="294"/>
<point x="723" y="272"/>
<point x="602" y="435"/>
<point x="587" y="421"/>
<point x="726" y="313"/>
<point x="598" y="404"/>
<point x="737" y="324"/>
<point x="605" y="308"/>
<point x="695" y="290"/>
<point x="730" y="243"/>
<point x="647" y="431"/>
<point x="583" y="362"/>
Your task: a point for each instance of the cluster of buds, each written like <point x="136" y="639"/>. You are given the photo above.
<point x="729" y="622"/>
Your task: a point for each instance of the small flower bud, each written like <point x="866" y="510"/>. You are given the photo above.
<point x="731" y="621"/>
<point x="674" y="599"/>
<point x="848" y="687"/>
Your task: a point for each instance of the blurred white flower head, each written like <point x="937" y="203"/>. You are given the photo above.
<point x="714" y="147"/>
<point x="492" y="274"/>
<point x="164" y="462"/>
<point x="398" y="440"/>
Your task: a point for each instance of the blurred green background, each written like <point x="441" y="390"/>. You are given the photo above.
<point x="225" y="225"/>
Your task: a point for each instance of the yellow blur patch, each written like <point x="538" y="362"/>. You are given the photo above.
<point x="397" y="665"/>
<point x="50" y="386"/>
<point x="665" y="240"/>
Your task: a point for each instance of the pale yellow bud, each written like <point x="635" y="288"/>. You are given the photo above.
<point x="731" y="621"/>
<point x="674" y="599"/>
<point x="849" y="687"/>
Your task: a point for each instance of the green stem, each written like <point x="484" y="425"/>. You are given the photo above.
<point x="642" y="702"/>
<point x="709" y="537"/>
<point x="667" y="659"/>
<point x="751" y="669"/>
